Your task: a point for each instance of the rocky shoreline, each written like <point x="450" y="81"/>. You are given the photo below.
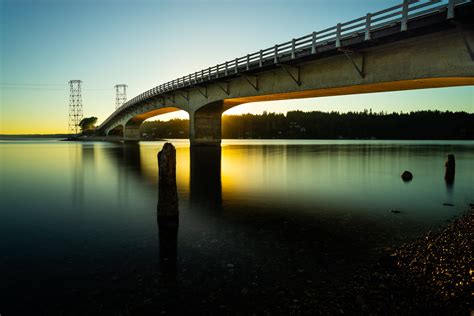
<point x="430" y="275"/>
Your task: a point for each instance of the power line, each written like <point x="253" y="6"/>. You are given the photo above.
<point x="43" y="86"/>
<point x="31" y="84"/>
<point x="32" y="88"/>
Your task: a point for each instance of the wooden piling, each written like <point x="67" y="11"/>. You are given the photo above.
<point x="450" y="171"/>
<point x="167" y="190"/>
<point x="167" y="213"/>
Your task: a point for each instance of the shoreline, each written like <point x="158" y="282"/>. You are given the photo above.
<point x="428" y="275"/>
<point x="66" y="137"/>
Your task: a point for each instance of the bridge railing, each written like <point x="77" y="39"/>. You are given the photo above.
<point x="308" y="44"/>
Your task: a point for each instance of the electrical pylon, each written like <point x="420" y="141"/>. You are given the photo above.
<point x="75" y="106"/>
<point x="120" y="95"/>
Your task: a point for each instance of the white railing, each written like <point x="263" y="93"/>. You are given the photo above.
<point x="398" y="14"/>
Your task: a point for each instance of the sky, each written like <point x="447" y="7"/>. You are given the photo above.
<point x="143" y="43"/>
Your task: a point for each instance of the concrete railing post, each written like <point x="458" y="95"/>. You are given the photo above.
<point x="368" y="19"/>
<point x="451" y="9"/>
<point x="404" y="22"/>
<point x="293" y="44"/>
<point x="338" y="35"/>
<point x="275" y="53"/>
<point x="313" y="43"/>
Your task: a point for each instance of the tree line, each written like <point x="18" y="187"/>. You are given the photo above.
<point x="329" y="125"/>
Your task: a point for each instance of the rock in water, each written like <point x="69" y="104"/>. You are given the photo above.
<point x="407" y="176"/>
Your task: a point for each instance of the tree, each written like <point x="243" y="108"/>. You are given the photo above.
<point x="87" y="124"/>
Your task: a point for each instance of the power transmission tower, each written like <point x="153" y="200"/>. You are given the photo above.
<point x="75" y="106"/>
<point x="120" y="95"/>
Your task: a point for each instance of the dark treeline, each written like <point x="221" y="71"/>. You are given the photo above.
<point x="322" y="125"/>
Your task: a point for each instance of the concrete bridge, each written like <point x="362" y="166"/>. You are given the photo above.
<point x="413" y="45"/>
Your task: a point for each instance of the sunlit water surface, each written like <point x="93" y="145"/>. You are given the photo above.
<point x="261" y="223"/>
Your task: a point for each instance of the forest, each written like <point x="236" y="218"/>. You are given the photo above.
<point x="329" y="125"/>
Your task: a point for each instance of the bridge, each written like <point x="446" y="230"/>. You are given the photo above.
<point x="414" y="45"/>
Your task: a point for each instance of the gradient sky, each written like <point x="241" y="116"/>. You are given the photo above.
<point x="46" y="43"/>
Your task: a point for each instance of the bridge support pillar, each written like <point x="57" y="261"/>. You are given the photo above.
<point x="131" y="133"/>
<point x="205" y="125"/>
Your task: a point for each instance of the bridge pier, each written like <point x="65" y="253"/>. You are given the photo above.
<point x="205" y="125"/>
<point x="131" y="133"/>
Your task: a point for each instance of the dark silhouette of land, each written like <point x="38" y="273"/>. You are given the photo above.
<point x="423" y="125"/>
<point x="321" y="125"/>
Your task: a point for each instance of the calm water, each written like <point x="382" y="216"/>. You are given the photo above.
<point x="263" y="224"/>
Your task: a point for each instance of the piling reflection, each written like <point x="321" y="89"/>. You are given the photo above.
<point x="78" y="175"/>
<point x="126" y="156"/>
<point x="168" y="240"/>
<point x="205" y="182"/>
<point x="131" y="156"/>
<point x="127" y="160"/>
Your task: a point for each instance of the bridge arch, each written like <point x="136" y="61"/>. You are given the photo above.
<point x="116" y="131"/>
<point x="133" y="123"/>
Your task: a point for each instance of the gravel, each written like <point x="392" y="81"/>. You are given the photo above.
<point x="430" y="275"/>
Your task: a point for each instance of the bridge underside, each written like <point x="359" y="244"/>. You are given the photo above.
<point x="413" y="84"/>
<point x="129" y="126"/>
<point x="440" y="59"/>
<point x="207" y="120"/>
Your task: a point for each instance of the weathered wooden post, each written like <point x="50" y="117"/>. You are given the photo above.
<point x="450" y="166"/>
<point x="167" y="191"/>
<point x="167" y="211"/>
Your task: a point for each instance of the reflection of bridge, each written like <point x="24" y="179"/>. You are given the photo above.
<point x="417" y="44"/>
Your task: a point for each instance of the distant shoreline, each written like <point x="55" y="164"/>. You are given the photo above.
<point x="67" y="137"/>
<point x="19" y="136"/>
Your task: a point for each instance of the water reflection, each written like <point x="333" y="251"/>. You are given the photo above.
<point x="127" y="161"/>
<point x="293" y="218"/>
<point x="205" y="179"/>
<point x="168" y="239"/>
<point x="82" y="158"/>
<point x="76" y="153"/>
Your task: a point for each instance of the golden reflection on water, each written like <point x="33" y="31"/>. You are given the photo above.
<point x="149" y="163"/>
<point x="244" y="170"/>
<point x="322" y="176"/>
<point x="252" y="169"/>
<point x="314" y="175"/>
